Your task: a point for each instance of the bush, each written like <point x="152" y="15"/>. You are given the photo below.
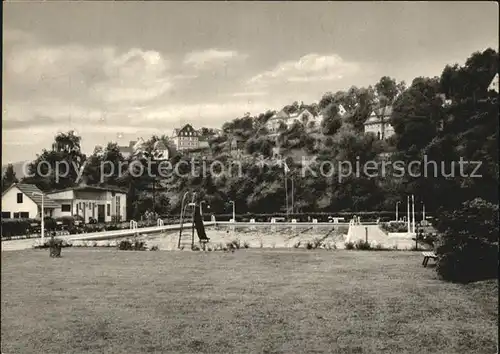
<point x="135" y="245"/>
<point x="236" y="244"/>
<point x="349" y="245"/>
<point x="154" y="248"/>
<point x="362" y="245"/>
<point x="296" y="245"/>
<point x="17" y="227"/>
<point x="473" y="260"/>
<point x="246" y="244"/>
<point x="394" y="227"/>
<point x="50" y="223"/>
<point x="468" y="249"/>
<point x="317" y="242"/>
<point x="67" y="221"/>
<point x="309" y="245"/>
<point x="53" y="242"/>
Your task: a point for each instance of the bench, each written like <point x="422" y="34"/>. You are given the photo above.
<point x="427" y="256"/>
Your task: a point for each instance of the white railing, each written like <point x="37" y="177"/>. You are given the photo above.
<point x="133" y="224"/>
<point x="159" y="222"/>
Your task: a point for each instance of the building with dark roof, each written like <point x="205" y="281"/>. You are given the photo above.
<point x="25" y="201"/>
<point x="186" y="138"/>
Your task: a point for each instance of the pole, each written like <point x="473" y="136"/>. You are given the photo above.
<point x="286" y="197"/>
<point x="423" y="212"/>
<point x="292" y="197"/>
<point x="366" y="234"/>
<point x="408" y="214"/>
<point x="43" y="222"/>
<point x="234" y="212"/>
<point x="192" y="227"/>
<point x="413" y="211"/>
<point x="397" y="219"/>
<point x="154" y="196"/>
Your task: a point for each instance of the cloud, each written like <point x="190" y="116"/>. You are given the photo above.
<point x="93" y="74"/>
<point x="211" y="58"/>
<point x="249" y="93"/>
<point x="309" y="68"/>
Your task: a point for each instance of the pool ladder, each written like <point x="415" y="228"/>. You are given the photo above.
<point x="184" y="238"/>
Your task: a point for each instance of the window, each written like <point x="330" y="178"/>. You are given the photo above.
<point x="117" y="205"/>
<point x="16" y="215"/>
<point x="66" y="207"/>
<point x="108" y="211"/>
<point x="19" y="198"/>
<point x="5" y="214"/>
<point x="24" y="215"/>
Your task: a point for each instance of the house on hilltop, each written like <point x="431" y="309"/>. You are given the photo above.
<point x="378" y="123"/>
<point x="494" y="84"/>
<point x="186" y="138"/>
<point x="281" y="118"/>
<point x="133" y="147"/>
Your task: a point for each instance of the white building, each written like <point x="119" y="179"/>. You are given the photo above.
<point x="494" y="84"/>
<point x="304" y="117"/>
<point x="25" y="201"/>
<point x="186" y="138"/>
<point x="104" y="204"/>
<point x="133" y="147"/>
<point x="379" y="124"/>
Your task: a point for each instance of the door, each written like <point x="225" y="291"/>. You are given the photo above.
<point x="100" y="213"/>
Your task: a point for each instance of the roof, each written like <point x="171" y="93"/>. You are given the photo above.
<point x="29" y="189"/>
<point x="386" y="111"/>
<point x="186" y="127"/>
<point x="283" y="115"/>
<point x="376" y="116"/>
<point x="125" y="149"/>
<point x="159" y="145"/>
<point x="91" y="188"/>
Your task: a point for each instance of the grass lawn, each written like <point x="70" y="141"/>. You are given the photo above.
<point x="249" y="301"/>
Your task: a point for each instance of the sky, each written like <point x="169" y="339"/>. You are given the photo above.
<point x="115" y="71"/>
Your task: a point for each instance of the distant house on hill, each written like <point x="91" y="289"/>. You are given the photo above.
<point x="133" y="147"/>
<point x="494" y="84"/>
<point x="281" y="118"/>
<point x="186" y="138"/>
<point x="379" y="124"/>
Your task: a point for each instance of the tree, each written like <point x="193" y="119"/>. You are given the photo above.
<point x="331" y="120"/>
<point x="60" y="167"/>
<point x="468" y="249"/>
<point x="386" y="92"/>
<point x="416" y="115"/>
<point x="9" y="177"/>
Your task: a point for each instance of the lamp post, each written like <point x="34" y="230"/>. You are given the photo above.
<point x="42" y="234"/>
<point x="397" y="216"/>
<point x="234" y="210"/>
<point x="408" y="218"/>
<point x="413" y="212"/>
<point x="423" y="212"/>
